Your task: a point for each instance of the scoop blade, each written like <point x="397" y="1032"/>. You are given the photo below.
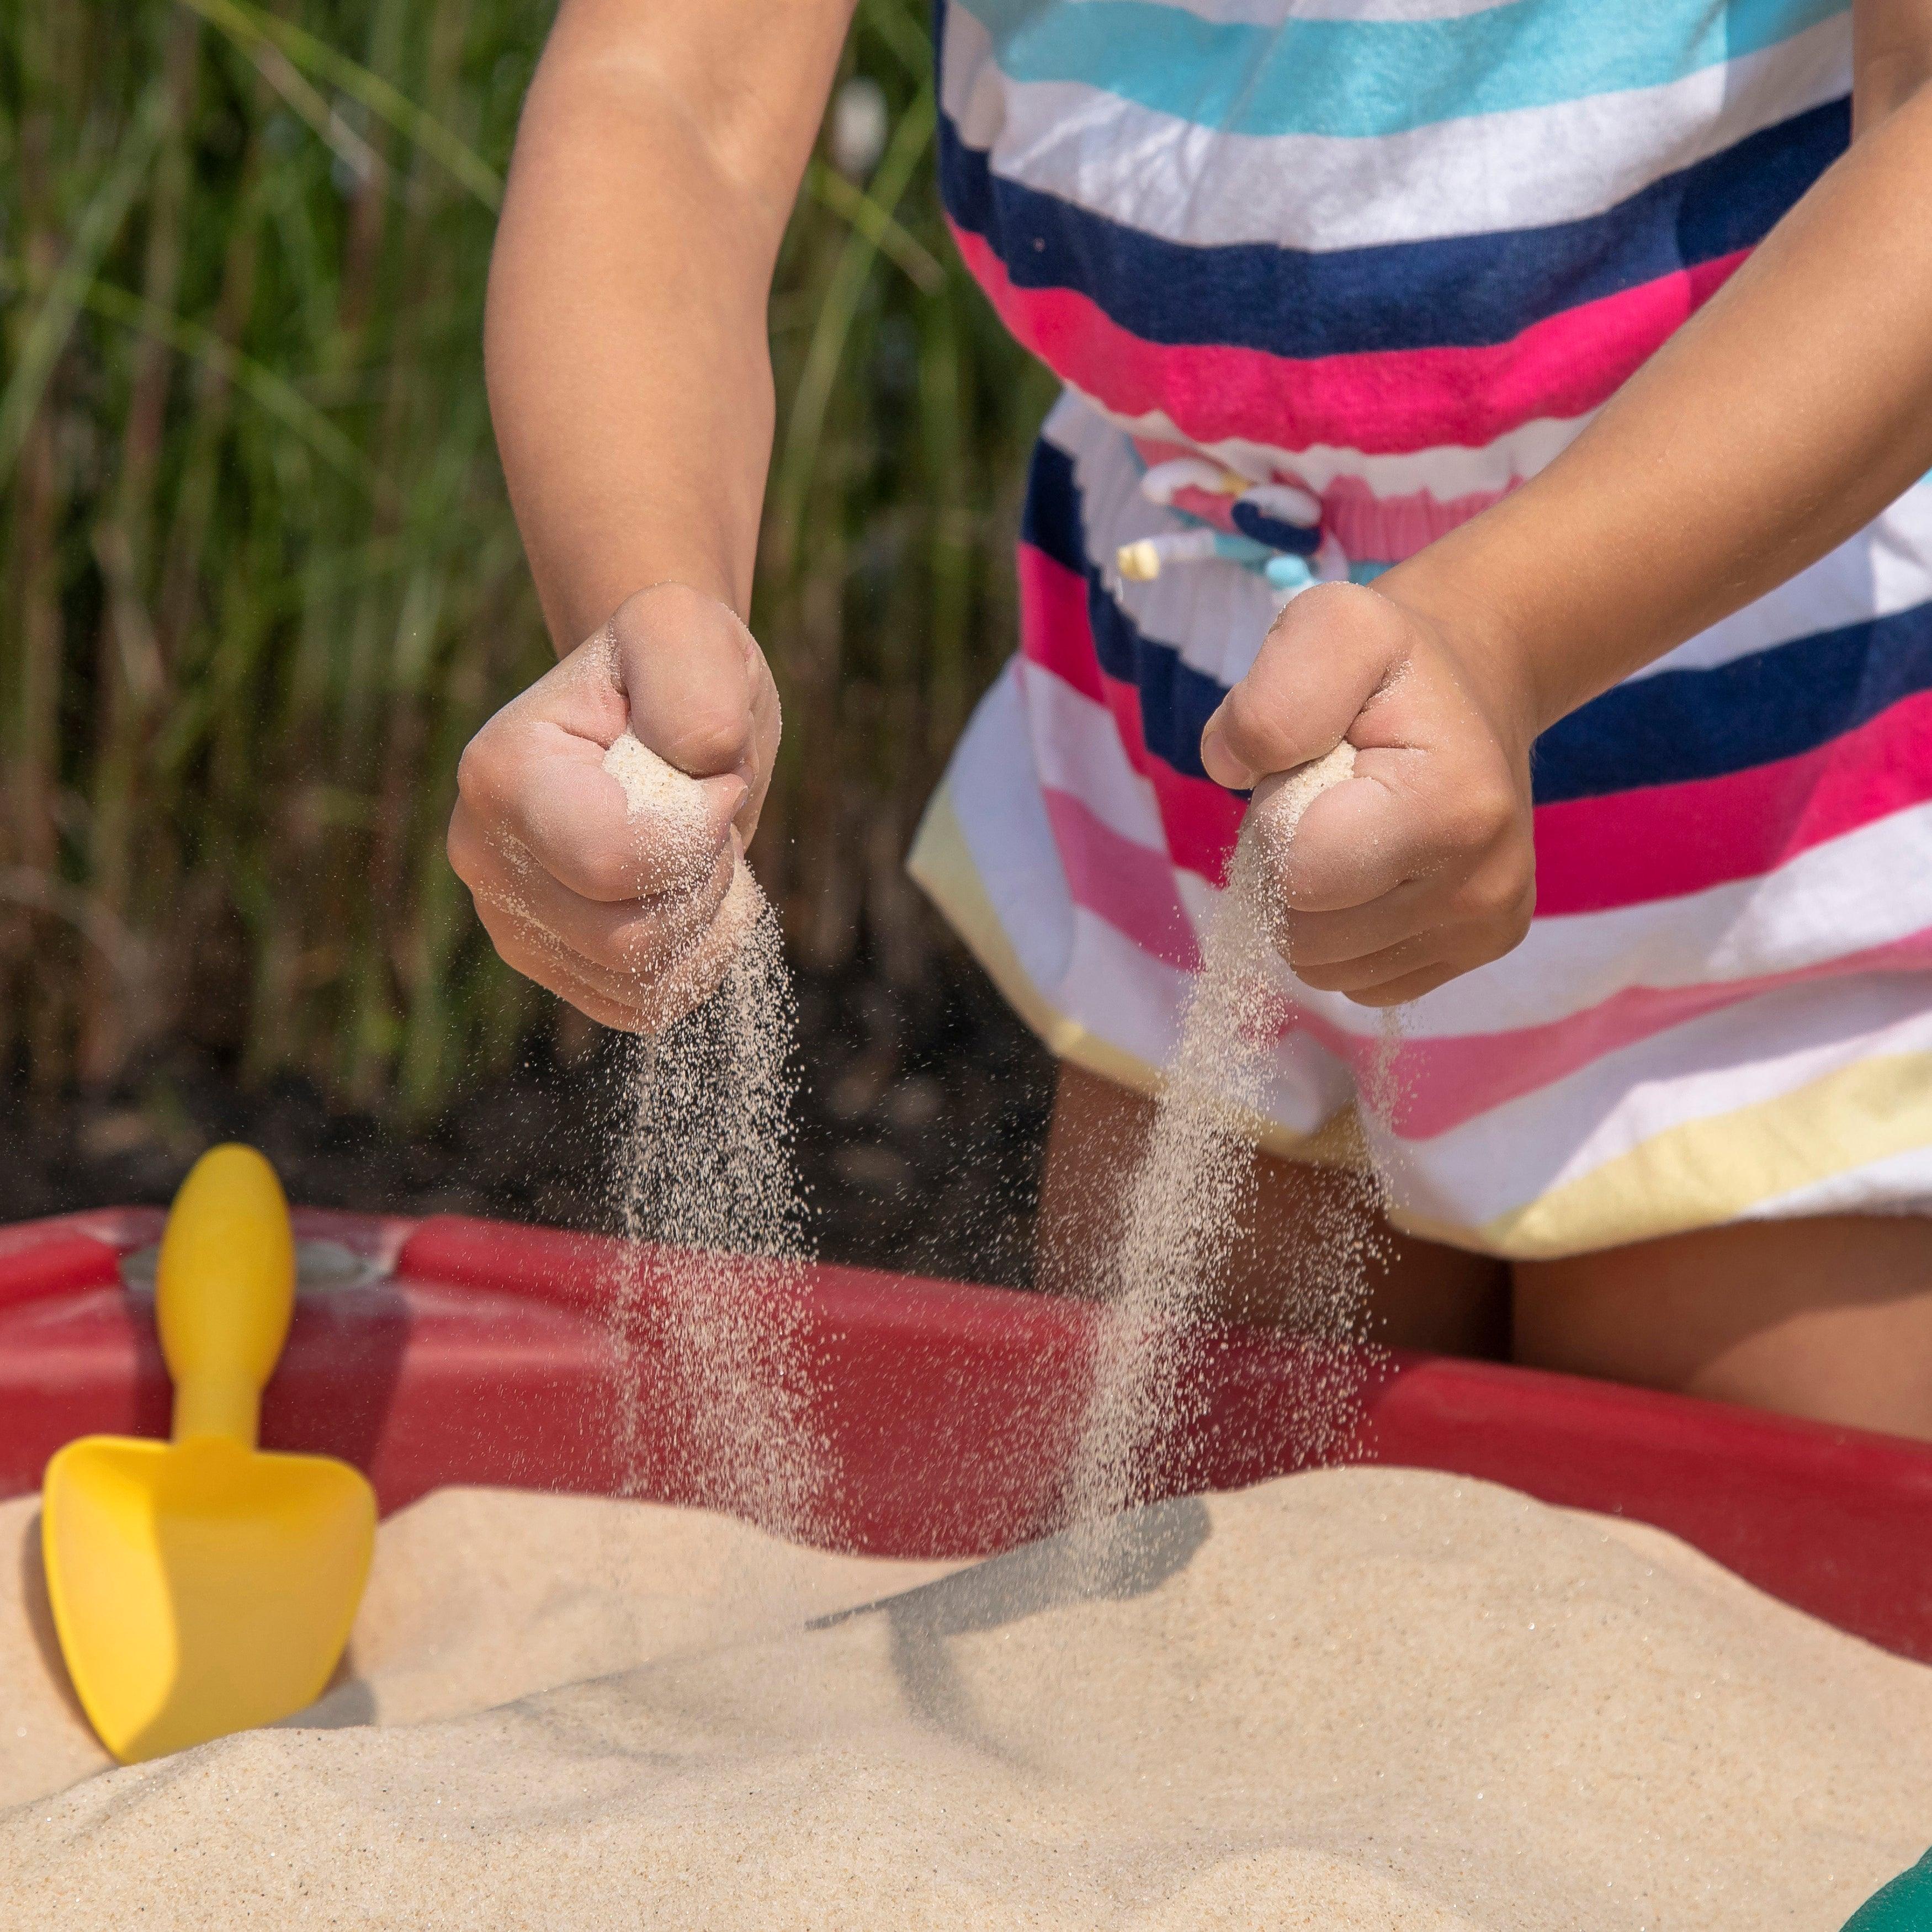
<point x="200" y="1588"/>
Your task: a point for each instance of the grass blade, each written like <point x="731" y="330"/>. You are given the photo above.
<point x="46" y="333"/>
<point x="806" y="425"/>
<point x="249" y="25"/>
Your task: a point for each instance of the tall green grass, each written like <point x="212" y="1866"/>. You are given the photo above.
<point x="261" y="582"/>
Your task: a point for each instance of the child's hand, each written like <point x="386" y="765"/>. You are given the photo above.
<point x="633" y="919"/>
<point x="1421" y="865"/>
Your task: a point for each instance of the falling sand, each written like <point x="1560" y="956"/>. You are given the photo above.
<point x="705" y="1163"/>
<point x="1192" y="1188"/>
<point x="1357" y="1700"/>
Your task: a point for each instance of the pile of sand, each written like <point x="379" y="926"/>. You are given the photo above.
<point x="1353" y="1700"/>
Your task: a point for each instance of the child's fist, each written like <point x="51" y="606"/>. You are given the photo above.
<point x="1420" y="866"/>
<point x="632" y="918"/>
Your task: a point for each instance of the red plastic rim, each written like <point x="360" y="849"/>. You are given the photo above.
<point x="457" y="1351"/>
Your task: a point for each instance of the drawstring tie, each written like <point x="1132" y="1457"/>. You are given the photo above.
<point x="1277" y="529"/>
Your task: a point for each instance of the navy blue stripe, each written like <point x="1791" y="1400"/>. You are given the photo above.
<point x="1299" y="539"/>
<point x="1669" y="728"/>
<point x="1677" y="725"/>
<point x="1461" y="292"/>
<point x="1176" y="700"/>
<point x="1050" y="519"/>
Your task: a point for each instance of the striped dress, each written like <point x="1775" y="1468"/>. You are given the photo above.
<point x="1323" y="278"/>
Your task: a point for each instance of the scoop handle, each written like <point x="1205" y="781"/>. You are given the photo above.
<point x="224" y="1290"/>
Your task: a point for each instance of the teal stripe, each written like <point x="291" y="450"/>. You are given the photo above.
<point x="1363" y="78"/>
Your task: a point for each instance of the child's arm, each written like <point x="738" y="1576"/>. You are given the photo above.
<point x="659" y="153"/>
<point x="1784" y="417"/>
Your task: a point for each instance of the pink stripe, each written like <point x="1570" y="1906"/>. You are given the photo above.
<point x="1443" y="1083"/>
<point x="1383" y="402"/>
<point x="1154" y="449"/>
<point x="1211" y="506"/>
<point x="1386" y="529"/>
<point x="1130" y="886"/>
<point x="1661" y="841"/>
<point x="1198" y="818"/>
<point x="1055" y="631"/>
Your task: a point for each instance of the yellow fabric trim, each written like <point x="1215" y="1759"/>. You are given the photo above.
<point x="1705" y="1172"/>
<point x="940" y="863"/>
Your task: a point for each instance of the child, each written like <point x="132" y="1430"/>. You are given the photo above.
<point x="1581" y="354"/>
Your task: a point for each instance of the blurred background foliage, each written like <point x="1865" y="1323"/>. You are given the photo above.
<point x="261" y="580"/>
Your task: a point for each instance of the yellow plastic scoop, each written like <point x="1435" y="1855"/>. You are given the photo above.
<point x="199" y="1586"/>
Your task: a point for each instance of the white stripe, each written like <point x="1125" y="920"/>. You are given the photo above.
<point x="1887" y="568"/>
<point x="1077" y="748"/>
<point x="1869" y="887"/>
<point x="1527" y="168"/>
<point x="1111" y="987"/>
<point x="995" y="792"/>
<point x="1132" y="1001"/>
<point x="1349" y="10"/>
<point x="1745" y="1056"/>
<point x="1446" y="472"/>
<point x="1742" y="1057"/>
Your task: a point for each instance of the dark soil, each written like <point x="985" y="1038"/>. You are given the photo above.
<point x="922" y="1121"/>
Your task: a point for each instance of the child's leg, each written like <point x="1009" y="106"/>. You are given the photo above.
<point x="1423" y="1295"/>
<point x="1830" y="1317"/>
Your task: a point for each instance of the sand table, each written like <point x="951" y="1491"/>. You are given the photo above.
<point x="1357" y="1699"/>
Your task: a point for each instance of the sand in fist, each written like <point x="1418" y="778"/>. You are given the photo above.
<point x="631" y="912"/>
<point x="1420" y="866"/>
